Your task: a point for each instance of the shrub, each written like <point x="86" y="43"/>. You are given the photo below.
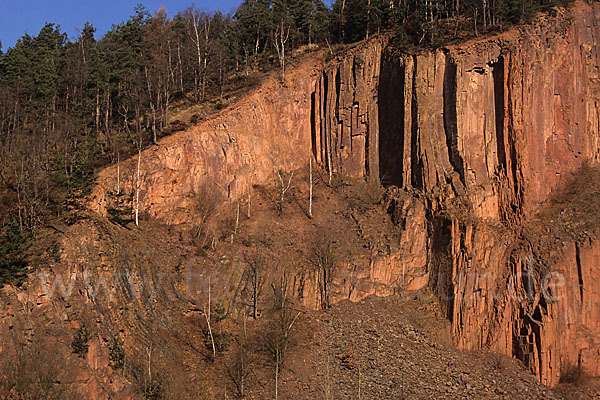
<point x="219" y="312"/>
<point x="116" y="353"/>
<point x="323" y="257"/>
<point x="80" y="341"/>
<point x="205" y="207"/>
<point x="54" y="251"/>
<point x="572" y="375"/>
<point x="13" y="247"/>
<point x="30" y="372"/>
<point x="120" y="209"/>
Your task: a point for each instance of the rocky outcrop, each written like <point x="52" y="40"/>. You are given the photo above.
<point x="228" y="153"/>
<point x="477" y="136"/>
<point x="344" y="113"/>
<point x="486" y="131"/>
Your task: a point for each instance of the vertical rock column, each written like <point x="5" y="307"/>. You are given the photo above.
<point x="345" y="122"/>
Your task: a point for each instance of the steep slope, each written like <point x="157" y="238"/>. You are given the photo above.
<point x="485" y="131"/>
<point x="471" y="141"/>
<point x="480" y="133"/>
<point x="245" y="144"/>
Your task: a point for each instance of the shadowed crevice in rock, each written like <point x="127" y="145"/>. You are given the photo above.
<point x="450" y="118"/>
<point x="579" y="272"/>
<point x="313" y="126"/>
<point x="391" y="120"/>
<point x="441" y="268"/>
<point x="416" y="160"/>
<point x="326" y="129"/>
<point x="498" y="73"/>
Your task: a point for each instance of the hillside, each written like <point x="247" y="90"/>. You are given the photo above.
<point x="390" y="223"/>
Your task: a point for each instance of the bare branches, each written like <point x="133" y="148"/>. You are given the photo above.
<point x="284" y="187"/>
<point x="255" y="277"/>
<point x="240" y="368"/>
<point x="206" y="313"/>
<point x="323" y="259"/>
<point x="280" y="38"/>
<point x="284" y="318"/>
<point x="206" y="203"/>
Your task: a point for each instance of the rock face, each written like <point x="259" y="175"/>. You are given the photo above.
<point x="479" y="133"/>
<point x="485" y="131"/>
<point x="344" y="113"/>
<point x="246" y="144"/>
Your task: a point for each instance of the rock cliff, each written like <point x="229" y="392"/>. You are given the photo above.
<point x="475" y="137"/>
<point x="485" y="131"/>
<point x="244" y="144"/>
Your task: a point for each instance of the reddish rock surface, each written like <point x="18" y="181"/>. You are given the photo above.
<point x="243" y="145"/>
<point x="485" y="131"/>
<point x="476" y="135"/>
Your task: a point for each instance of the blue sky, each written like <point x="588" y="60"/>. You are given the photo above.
<point x="20" y="16"/>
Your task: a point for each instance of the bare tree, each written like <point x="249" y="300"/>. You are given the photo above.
<point x="282" y="324"/>
<point x="29" y="372"/>
<point x="284" y="187"/>
<point x="237" y="222"/>
<point x="240" y="367"/>
<point x="200" y="24"/>
<point x="249" y="194"/>
<point x="323" y="259"/>
<point x="206" y="313"/>
<point x="280" y="38"/>
<point x="206" y="204"/>
<point x="255" y="278"/>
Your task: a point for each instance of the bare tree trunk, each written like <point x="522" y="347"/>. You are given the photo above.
<point x="98" y="110"/>
<point x="368" y="17"/>
<point x="152" y="106"/>
<point x="484" y="14"/>
<point x="137" y="187"/>
<point x="310" y="196"/>
<point x="180" y="68"/>
<point x="207" y="316"/>
<point x="256" y="47"/>
<point x="221" y="75"/>
<point x="281" y="38"/>
<point x="249" y="186"/>
<point x="205" y="55"/>
<point x="118" y="174"/>
<point x="196" y="40"/>
<point x="284" y="188"/>
<point x="342" y="19"/>
<point x="237" y="222"/>
<point x="149" y="353"/>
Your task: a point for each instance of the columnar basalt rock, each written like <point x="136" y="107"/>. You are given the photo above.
<point x="485" y="131"/>
<point x="479" y="134"/>
<point x="345" y="118"/>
